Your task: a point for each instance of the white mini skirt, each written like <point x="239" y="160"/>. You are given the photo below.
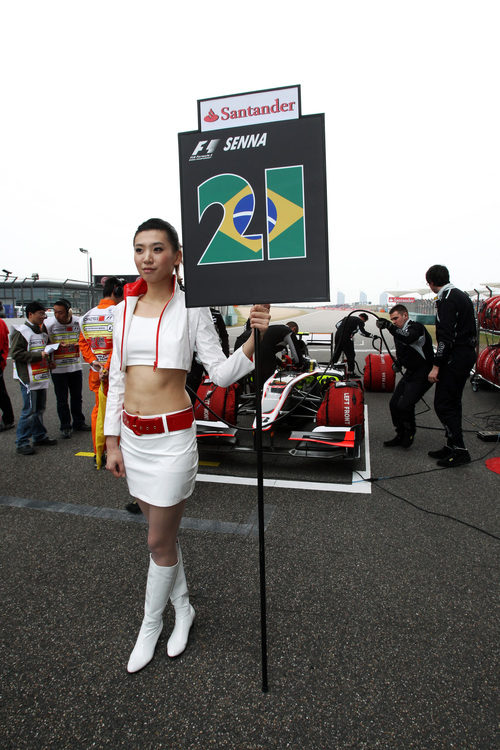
<point x="160" y="469"/>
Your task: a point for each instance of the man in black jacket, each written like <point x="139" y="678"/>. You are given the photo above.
<point x="346" y="328"/>
<point x="454" y="358"/>
<point x="415" y="354"/>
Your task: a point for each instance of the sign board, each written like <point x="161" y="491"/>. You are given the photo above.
<point x="254" y="216"/>
<point x="400" y="300"/>
<point x="256" y="108"/>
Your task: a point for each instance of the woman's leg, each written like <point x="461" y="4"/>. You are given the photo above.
<point x="163" y="525"/>
<point x="163" y="567"/>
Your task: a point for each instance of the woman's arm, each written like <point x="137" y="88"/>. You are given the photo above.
<point x="225" y="371"/>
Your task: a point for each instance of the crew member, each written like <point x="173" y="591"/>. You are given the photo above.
<point x="96" y="339"/>
<point x="277" y="338"/>
<point x="346" y="329"/>
<point x="415" y="354"/>
<point x="64" y="329"/>
<point x="454" y="358"/>
<point x="7" y="421"/>
<point x="300" y="344"/>
<point x="31" y="368"/>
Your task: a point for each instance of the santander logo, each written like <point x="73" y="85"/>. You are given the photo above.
<point x="211" y="117"/>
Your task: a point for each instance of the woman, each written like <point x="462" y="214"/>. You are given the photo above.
<point x="149" y="427"/>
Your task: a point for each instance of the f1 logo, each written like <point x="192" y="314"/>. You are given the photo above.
<point x="205" y="149"/>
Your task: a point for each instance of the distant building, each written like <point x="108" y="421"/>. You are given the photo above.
<point x="363" y="298"/>
<point x="384" y="299"/>
<point x="340" y="298"/>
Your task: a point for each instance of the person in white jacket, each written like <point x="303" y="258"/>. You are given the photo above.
<point x="149" y="426"/>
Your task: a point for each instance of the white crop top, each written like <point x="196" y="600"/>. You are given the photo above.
<point x="142" y="341"/>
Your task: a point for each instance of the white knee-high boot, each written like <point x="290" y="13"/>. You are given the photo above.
<point x="184" y="612"/>
<point x="158" y="588"/>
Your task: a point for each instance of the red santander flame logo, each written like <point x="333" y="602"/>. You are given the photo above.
<point x="211" y="117"/>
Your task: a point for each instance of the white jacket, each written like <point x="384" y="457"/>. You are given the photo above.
<point x="180" y="332"/>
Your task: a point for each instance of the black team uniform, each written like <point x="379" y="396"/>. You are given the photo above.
<point x="415" y="354"/>
<point x="344" y="335"/>
<point x="455" y="357"/>
<point x="276" y="338"/>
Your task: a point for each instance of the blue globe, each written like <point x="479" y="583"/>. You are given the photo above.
<point x="272" y="215"/>
<point x="243" y="212"/>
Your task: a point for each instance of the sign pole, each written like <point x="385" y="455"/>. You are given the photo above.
<point x="260" y="505"/>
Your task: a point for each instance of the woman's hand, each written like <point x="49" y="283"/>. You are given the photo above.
<point x="260" y="316"/>
<point x="114" y="458"/>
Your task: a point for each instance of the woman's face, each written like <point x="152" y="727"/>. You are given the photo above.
<point x="154" y="256"/>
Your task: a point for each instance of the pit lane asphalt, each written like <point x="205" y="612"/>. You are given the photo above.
<point x="382" y="629"/>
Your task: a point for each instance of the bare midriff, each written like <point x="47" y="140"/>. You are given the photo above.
<point x="159" y="391"/>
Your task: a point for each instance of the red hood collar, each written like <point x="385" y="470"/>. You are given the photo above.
<point x="136" y="288"/>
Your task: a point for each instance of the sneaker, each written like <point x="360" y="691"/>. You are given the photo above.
<point x="25" y="450"/>
<point x="82" y="428"/>
<point x="457" y="458"/>
<point x="441" y="453"/>
<point x="66" y="433"/>
<point x="45" y="441"/>
<point x="398" y="440"/>
<point x="7" y="426"/>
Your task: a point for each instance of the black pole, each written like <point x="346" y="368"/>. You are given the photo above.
<point x="260" y="505"/>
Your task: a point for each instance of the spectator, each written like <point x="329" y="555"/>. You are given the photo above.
<point x="64" y="329"/>
<point x="96" y="339"/>
<point x="7" y="421"/>
<point x="31" y="368"/>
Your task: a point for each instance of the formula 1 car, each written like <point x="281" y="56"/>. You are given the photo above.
<point x="319" y="399"/>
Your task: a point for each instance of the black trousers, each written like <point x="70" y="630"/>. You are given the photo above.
<point x="407" y="394"/>
<point x="449" y="389"/>
<point x="5" y="404"/>
<point x="69" y="383"/>
<point x="346" y="345"/>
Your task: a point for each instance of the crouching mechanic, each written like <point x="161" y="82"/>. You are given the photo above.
<point x="415" y="354"/>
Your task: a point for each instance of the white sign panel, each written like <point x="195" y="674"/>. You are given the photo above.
<point x="249" y="109"/>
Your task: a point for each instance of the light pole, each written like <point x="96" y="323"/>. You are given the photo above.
<point x="89" y="268"/>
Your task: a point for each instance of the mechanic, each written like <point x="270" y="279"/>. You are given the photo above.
<point x="300" y="344"/>
<point x="415" y="354"/>
<point x="454" y="358"/>
<point x="276" y="338"/>
<point x="346" y="329"/>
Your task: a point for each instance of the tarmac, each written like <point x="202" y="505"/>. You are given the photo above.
<point x="382" y="621"/>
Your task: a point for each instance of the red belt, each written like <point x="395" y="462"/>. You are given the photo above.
<point x="179" y="420"/>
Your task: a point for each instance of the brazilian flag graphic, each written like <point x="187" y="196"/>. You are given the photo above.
<point x="285" y="199"/>
<point x="229" y="245"/>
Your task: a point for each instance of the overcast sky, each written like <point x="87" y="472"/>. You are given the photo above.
<point x="95" y="93"/>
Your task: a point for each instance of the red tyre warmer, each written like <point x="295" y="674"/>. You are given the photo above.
<point x="223" y="401"/>
<point x="489" y="314"/>
<point x="342" y="406"/>
<point x="379" y="375"/>
<point x="488" y="364"/>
